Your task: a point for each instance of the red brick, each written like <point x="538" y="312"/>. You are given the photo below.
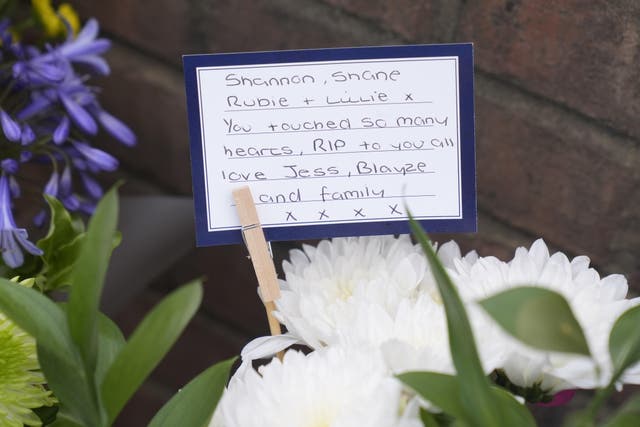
<point x="581" y="53"/>
<point x="203" y="344"/>
<point x="553" y="174"/>
<point x="170" y="29"/>
<point x="229" y="282"/>
<point x="248" y="25"/>
<point x="492" y="239"/>
<point x="149" y="96"/>
<point x="415" y="20"/>
<point x="161" y="27"/>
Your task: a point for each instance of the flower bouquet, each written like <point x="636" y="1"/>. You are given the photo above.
<point x="404" y="335"/>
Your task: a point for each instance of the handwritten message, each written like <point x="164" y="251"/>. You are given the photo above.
<point x="332" y="142"/>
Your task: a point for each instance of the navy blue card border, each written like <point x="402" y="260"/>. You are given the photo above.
<point x="464" y="52"/>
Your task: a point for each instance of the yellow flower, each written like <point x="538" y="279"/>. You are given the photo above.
<point x="47" y="16"/>
<point x="52" y="20"/>
<point x="70" y="15"/>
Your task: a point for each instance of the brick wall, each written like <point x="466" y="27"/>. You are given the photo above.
<point x="558" y="129"/>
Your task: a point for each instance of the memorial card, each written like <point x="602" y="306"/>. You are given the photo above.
<point x="333" y="142"/>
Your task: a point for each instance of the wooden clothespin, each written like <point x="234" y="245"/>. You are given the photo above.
<point x="259" y="253"/>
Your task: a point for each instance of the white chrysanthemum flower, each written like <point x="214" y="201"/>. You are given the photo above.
<point x="596" y="302"/>
<point x="323" y="282"/>
<point x="375" y="293"/>
<point x="331" y="387"/>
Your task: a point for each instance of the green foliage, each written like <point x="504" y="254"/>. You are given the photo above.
<point x="442" y="390"/>
<point x="147" y="346"/>
<point x="87" y="362"/>
<point x="624" y="349"/>
<point x="624" y="341"/>
<point x="91" y="267"/>
<point x="61" y="247"/>
<point x="440" y="419"/>
<point x="94" y="371"/>
<point x="479" y="403"/>
<point x="195" y="403"/>
<point x="445" y="391"/>
<point x="538" y="317"/>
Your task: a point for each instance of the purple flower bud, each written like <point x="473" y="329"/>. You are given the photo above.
<point x="10" y="166"/>
<point x="38" y="103"/>
<point x="79" y="163"/>
<point x="87" y="207"/>
<point x="79" y="115"/>
<point x="91" y="185"/>
<point x="71" y="203"/>
<point x="28" y="136"/>
<point x="51" y="188"/>
<point x="61" y="133"/>
<point x="96" y="157"/>
<point x="116" y="128"/>
<point x="95" y="63"/>
<point x="65" y="181"/>
<point x="13" y="240"/>
<point x="10" y="128"/>
<point x="14" y="187"/>
<point x="39" y="71"/>
<point x="39" y="218"/>
<point x="25" y="156"/>
<point x="85" y="43"/>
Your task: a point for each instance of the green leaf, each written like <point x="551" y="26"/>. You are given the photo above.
<point x="62" y="228"/>
<point x="194" y="405"/>
<point x="440" y="389"/>
<point x="476" y="397"/>
<point x="148" y="344"/>
<point x="628" y="415"/>
<point x="45" y="321"/>
<point x="445" y="391"/>
<point x="47" y="414"/>
<point x="512" y="412"/>
<point x="64" y="419"/>
<point x="60" y="264"/>
<point x="427" y="418"/>
<point x="111" y="342"/>
<point x="538" y="317"/>
<point x="87" y="278"/>
<point x="37" y="315"/>
<point x="69" y="383"/>
<point x="624" y="341"/>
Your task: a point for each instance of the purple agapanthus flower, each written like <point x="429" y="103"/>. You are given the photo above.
<point x="48" y="114"/>
<point x="85" y="48"/>
<point x="13" y="240"/>
<point x="10" y="128"/>
<point x="113" y="126"/>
